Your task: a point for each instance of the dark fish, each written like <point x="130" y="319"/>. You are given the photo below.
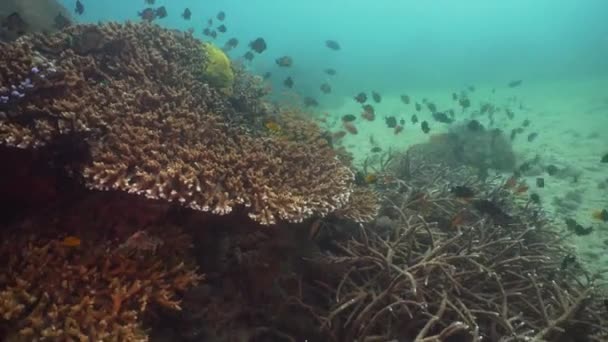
<point x="150" y="2"/>
<point x="402" y="122"/>
<point x="604" y="158"/>
<point x="568" y="259"/>
<point x="161" y="12"/>
<point x="491" y="209"/>
<point x="288" y="82"/>
<point x="471" y="88"/>
<point x="578" y="229"/>
<point x="540" y="182"/>
<point x="79" y="8"/>
<point x="310" y="102"/>
<point x="432" y="107"/>
<point x="377" y="97"/>
<point x="535" y="198"/>
<point x="231" y="43"/>
<point x="348" y="118"/>
<point x="376" y="149"/>
<point x="267" y="75"/>
<point x="210" y="22"/>
<point x="414" y="119"/>
<point x="248" y="56"/>
<point x="526" y="123"/>
<point x="332" y="44"/>
<point x="284" y="61"/>
<point x="509" y="113"/>
<point x="514" y="84"/>
<point x="418" y="107"/>
<point x="221" y="16"/>
<point x="187" y="14"/>
<point x="442" y="117"/>
<point x="213" y="34"/>
<point x="532" y="136"/>
<point x="325" y="88"/>
<point x="551" y="170"/>
<point x="61" y="22"/>
<point x="15" y="24"/>
<point x="207" y="31"/>
<point x="369" y="109"/>
<point x="258" y="45"/>
<point x="330" y="71"/>
<point x="398" y="129"/>
<point x="222" y="28"/>
<point x="425" y="127"/>
<point x="464" y="102"/>
<point x="454" y="96"/>
<point x="405" y="99"/>
<point x="148" y="14"/>
<point x="475" y="126"/>
<point x="462" y="191"/>
<point x="361" y="97"/>
<point x="391" y="122"/>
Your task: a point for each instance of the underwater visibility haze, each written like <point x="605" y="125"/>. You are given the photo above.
<point x="339" y="171"/>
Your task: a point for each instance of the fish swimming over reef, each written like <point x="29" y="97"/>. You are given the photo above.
<point x="288" y="82"/>
<point x="515" y="83"/>
<point x="325" y="88"/>
<point x="258" y="45"/>
<point x="221" y="16"/>
<point x="405" y="99"/>
<point x="79" y="8"/>
<point x="285" y="61"/>
<point x="330" y="71"/>
<point x="187" y="14"/>
<point x="231" y="44"/>
<point x="425" y="127"/>
<point x="376" y="96"/>
<point x="310" y="102"/>
<point x="391" y="121"/>
<point x="248" y="56"/>
<point x="161" y="12"/>
<point x="332" y="44"/>
<point x="361" y="97"/>
<point x="61" y="22"/>
<point x="222" y="28"/>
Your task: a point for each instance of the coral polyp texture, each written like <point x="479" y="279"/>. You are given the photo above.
<point x="133" y="101"/>
<point x="53" y="289"/>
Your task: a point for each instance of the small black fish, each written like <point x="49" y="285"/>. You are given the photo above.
<point x="325" y="88"/>
<point x="442" y="117"/>
<point x="492" y="209"/>
<point x="568" y="259"/>
<point x="222" y="28"/>
<point x="391" y="122"/>
<point x="210" y="22"/>
<point x="552" y="170"/>
<point x="454" y="96"/>
<point x="535" y="198"/>
<point x="148" y="14"/>
<point x="161" y="12"/>
<point x="432" y="107"/>
<point x="540" y="182"/>
<point x="509" y="113"/>
<point x="515" y="83"/>
<point x="526" y="123"/>
<point x="248" y="56"/>
<point x="267" y="75"/>
<point x="330" y="71"/>
<point x="284" y="61"/>
<point x="288" y="82"/>
<point x="405" y="99"/>
<point x="15" y="24"/>
<point x="61" y="22"/>
<point x="475" y="126"/>
<point x="604" y="158"/>
<point x="577" y="228"/>
<point x="348" y="118"/>
<point x="532" y="136"/>
<point x="377" y="97"/>
<point x="402" y="122"/>
<point x="332" y="44"/>
<point x="213" y="34"/>
<point x="187" y="14"/>
<point x="425" y="127"/>
<point x="221" y="16"/>
<point x="231" y="44"/>
<point x="310" y="102"/>
<point x="79" y="8"/>
<point x="418" y="107"/>
<point x="464" y="102"/>
<point x="258" y="45"/>
<point x="376" y="149"/>
<point x="150" y="2"/>
<point x="414" y="119"/>
<point x="368" y="108"/>
<point x="207" y="31"/>
<point x="361" y="97"/>
<point x="462" y="191"/>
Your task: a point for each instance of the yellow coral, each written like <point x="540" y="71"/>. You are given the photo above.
<point x="218" y="69"/>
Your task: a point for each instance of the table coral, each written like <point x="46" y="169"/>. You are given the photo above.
<point x="134" y="95"/>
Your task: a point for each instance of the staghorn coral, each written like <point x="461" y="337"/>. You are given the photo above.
<point x="363" y="205"/>
<point x="135" y="96"/>
<point x="97" y="291"/>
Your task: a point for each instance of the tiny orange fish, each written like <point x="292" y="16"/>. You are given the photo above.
<point x="398" y="129"/>
<point x="371" y="178"/>
<point x="522" y="188"/>
<point x="600" y="215"/>
<point x="511" y="182"/>
<point x="70" y="241"/>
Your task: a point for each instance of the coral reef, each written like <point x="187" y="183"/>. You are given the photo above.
<point x="218" y="69"/>
<point x="98" y="289"/>
<point x="130" y="102"/>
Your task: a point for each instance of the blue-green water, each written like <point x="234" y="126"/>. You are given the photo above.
<point x="391" y="45"/>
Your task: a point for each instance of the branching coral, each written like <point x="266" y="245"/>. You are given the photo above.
<point x="97" y="291"/>
<point x="135" y="96"/>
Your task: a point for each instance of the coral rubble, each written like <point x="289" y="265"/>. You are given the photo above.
<point x="132" y="99"/>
